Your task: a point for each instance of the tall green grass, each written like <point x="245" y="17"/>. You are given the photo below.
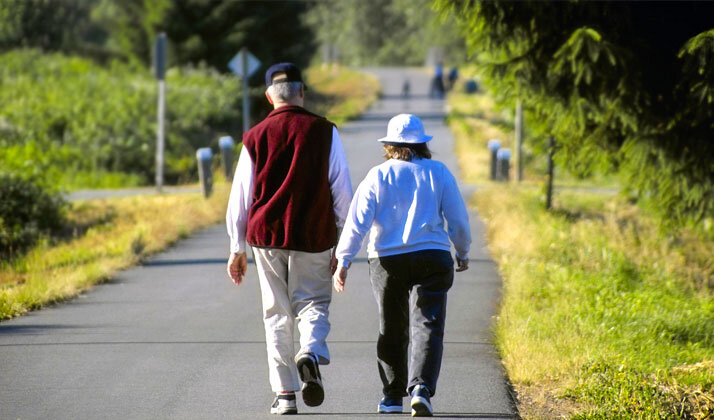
<point x="605" y="315"/>
<point x="77" y="124"/>
<point x="603" y="307"/>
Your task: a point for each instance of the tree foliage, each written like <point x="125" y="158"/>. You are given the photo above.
<point x="199" y="31"/>
<point x="213" y="31"/>
<point x="52" y="25"/>
<point x="625" y="85"/>
<point x="131" y="26"/>
<point x="384" y="32"/>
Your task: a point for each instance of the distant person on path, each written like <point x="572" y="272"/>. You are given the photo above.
<point x="290" y="195"/>
<point x="437" y="83"/>
<point x="404" y="204"/>
<point x="453" y="76"/>
<point x="406" y="86"/>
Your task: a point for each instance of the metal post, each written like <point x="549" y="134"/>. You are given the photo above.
<point x="160" y="69"/>
<point x="246" y="99"/>
<point x="225" y="144"/>
<point x="327" y="55"/>
<point x="160" y="137"/>
<point x="204" y="156"/>
<point x="519" y="141"/>
<point x="549" y="178"/>
<point x="493" y="146"/>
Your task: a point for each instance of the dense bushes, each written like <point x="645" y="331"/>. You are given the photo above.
<point x="67" y="119"/>
<point x="27" y="212"/>
<point x="616" y="91"/>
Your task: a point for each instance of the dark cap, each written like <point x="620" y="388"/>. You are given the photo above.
<point x="291" y="71"/>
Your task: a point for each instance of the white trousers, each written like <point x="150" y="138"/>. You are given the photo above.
<point x="295" y="286"/>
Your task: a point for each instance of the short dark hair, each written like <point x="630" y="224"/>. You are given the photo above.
<point x="406" y="151"/>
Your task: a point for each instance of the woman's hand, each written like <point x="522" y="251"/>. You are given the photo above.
<point x="339" y="279"/>
<point x="462" y="265"/>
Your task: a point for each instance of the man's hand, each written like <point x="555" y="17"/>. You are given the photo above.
<point x="237" y="266"/>
<point x="462" y="265"/>
<point x="333" y="262"/>
<point x="339" y="279"/>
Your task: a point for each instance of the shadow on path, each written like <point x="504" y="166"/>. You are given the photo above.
<point x="406" y="414"/>
<point x="188" y="262"/>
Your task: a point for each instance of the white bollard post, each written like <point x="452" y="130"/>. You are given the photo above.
<point x="225" y="144"/>
<point x="493" y="146"/>
<point x="204" y="156"/>
<point x="503" y="164"/>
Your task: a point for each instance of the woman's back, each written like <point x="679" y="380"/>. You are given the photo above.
<point x="406" y="203"/>
<point x="408" y="210"/>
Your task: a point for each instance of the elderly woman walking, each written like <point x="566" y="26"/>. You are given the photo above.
<point x="404" y="204"/>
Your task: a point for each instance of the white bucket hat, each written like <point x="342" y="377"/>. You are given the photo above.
<point x="405" y="128"/>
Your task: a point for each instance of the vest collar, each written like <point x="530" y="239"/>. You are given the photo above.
<point x="290" y="108"/>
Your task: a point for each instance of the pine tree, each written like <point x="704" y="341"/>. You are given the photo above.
<point x="624" y="85"/>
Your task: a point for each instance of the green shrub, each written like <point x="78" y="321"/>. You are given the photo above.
<point x="28" y="211"/>
<point x="62" y="115"/>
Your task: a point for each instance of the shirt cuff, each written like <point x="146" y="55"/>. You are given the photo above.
<point x="238" y="247"/>
<point x="464" y="256"/>
<point x="343" y="263"/>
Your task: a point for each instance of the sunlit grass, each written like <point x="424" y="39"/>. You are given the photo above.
<point x="339" y="93"/>
<point x="473" y="123"/>
<point x="594" y="290"/>
<point x="119" y="233"/>
<point x="604" y="315"/>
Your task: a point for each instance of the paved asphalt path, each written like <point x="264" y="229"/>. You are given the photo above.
<point x="175" y="339"/>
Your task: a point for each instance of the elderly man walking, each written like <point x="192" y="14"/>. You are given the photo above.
<point x="290" y="196"/>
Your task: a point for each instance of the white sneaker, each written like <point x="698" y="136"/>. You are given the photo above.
<point x="284" y="404"/>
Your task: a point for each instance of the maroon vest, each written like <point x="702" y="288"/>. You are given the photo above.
<point x="292" y="201"/>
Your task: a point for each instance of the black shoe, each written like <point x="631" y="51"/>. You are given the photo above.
<point x="421" y="405"/>
<point x="284" y="404"/>
<point x="312" y="392"/>
<point x="390" y="405"/>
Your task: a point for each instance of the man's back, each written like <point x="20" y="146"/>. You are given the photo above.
<point x="292" y="203"/>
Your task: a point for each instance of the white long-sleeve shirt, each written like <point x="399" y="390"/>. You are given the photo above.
<point x="242" y="192"/>
<point x="403" y="205"/>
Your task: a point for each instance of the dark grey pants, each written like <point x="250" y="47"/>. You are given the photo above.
<point x="411" y="297"/>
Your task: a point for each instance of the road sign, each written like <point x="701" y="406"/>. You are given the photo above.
<point x="244" y="69"/>
<point x="244" y="64"/>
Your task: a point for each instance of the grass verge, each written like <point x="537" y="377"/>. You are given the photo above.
<point x="474" y="121"/>
<point x="603" y="316"/>
<point x="339" y="93"/>
<point x="600" y="311"/>
<point x="108" y="235"/>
